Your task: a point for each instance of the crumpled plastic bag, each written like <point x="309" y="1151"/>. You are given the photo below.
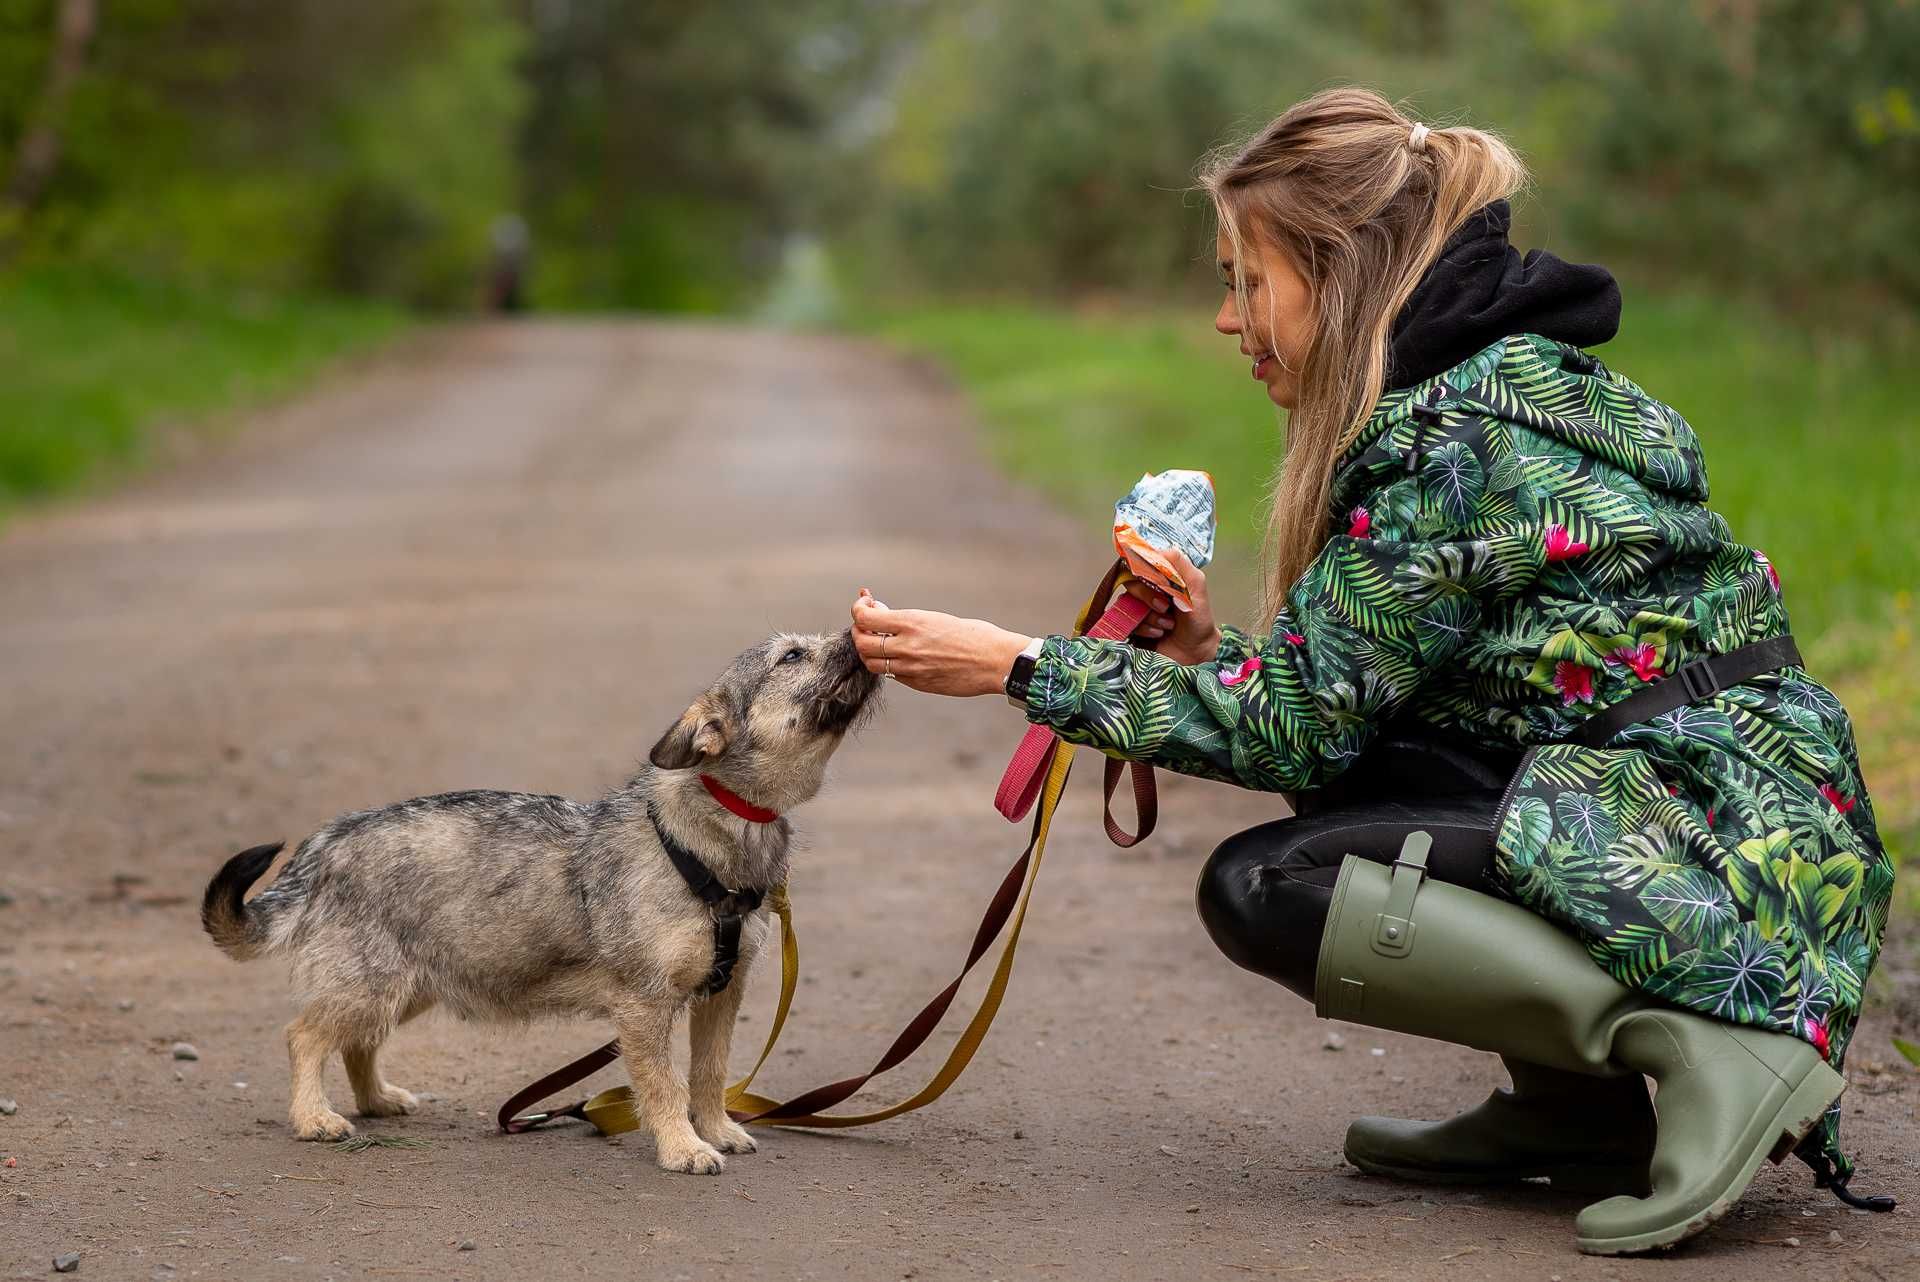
<point x="1166" y="510"/>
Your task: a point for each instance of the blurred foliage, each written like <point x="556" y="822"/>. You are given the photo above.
<point x="358" y="146"/>
<point x="671" y="148"/>
<point x="1768" y="145"/>
<point x="667" y="153"/>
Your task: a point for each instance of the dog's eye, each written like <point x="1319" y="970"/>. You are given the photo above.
<point x="794" y="655"/>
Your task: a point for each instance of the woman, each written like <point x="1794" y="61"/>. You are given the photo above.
<point x="1487" y="554"/>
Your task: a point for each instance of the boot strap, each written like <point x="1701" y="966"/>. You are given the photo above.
<point x="1393" y="928"/>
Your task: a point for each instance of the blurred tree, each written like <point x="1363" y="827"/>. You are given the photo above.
<point x="1738" y="143"/>
<point x="38" y="152"/>
<point x="671" y="147"/>
<point x="358" y="145"/>
<point x="663" y="153"/>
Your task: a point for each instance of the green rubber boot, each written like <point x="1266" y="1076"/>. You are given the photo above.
<point x="1585" y="1134"/>
<point x="1415" y="956"/>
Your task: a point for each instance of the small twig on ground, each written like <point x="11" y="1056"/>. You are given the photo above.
<point x="1270" y="1268"/>
<point x="313" y="1179"/>
<point x="398" y="1206"/>
<point x="358" y="1143"/>
<point x="1465" y="1250"/>
<point x="217" y="1192"/>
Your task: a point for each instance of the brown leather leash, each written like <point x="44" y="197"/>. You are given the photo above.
<point x="612" y="1110"/>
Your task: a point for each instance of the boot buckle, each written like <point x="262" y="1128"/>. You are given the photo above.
<point x="1393" y="927"/>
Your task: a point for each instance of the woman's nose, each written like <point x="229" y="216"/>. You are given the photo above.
<point x="1227" y="320"/>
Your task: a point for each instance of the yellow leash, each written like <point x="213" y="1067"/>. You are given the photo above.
<point x="612" y="1112"/>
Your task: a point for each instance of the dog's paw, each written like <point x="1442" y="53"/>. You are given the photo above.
<point x="727" y="1135"/>
<point x="697" y="1158"/>
<point x="390" y="1102"/>
<point x="326" y="1125"/>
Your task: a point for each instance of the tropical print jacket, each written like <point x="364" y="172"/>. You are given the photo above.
<point x="1520" y="542"/>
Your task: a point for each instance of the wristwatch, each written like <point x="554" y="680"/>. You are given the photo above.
<point x="1022" y="673"/>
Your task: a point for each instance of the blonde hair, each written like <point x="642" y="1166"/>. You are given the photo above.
<point x="1335" y="184"/>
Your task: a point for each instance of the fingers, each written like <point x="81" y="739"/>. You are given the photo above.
<point x="1190" y="574"/>
<point x="871" y="616"/>
<point x="1144" y="591"/>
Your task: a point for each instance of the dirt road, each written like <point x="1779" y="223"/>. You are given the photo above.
<point x="506" y="558"/>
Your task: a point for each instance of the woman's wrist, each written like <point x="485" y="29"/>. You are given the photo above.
<point x="1010" y="646"/>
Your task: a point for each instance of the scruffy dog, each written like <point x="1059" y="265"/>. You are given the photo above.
<point x="509" y="906"/>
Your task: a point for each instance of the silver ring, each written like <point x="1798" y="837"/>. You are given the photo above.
<point x="888" y="674"/>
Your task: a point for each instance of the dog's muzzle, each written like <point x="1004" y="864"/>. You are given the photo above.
<point x="844" y="693"/>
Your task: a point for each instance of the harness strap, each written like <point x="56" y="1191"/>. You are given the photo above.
<point x="1691" y="682"/>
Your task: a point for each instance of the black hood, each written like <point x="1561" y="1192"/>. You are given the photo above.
<point x="1481" y="290"/>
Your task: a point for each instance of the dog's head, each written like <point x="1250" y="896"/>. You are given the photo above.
<point x="769" y="724"/>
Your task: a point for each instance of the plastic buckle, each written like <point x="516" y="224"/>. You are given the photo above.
<point x="1699" y="680"/>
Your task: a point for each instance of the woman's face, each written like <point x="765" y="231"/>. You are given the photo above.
<point x="1274" y="338"/>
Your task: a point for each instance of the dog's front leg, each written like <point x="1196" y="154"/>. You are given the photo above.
<point x="659" y="1097"/>
<point x="710" y="1027"/>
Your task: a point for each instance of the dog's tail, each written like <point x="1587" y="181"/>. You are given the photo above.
<point x="240" y="934"/>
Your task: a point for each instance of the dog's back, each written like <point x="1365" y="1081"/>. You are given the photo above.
<point x="381" y="876"/>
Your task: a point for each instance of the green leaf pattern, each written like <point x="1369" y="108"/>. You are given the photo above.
<point x="1722" y="857"/>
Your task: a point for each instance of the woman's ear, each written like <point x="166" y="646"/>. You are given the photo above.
<point x="699" y="736"/>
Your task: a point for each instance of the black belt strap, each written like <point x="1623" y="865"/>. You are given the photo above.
<point x="729" y="907"/>
<point x="1689" y="683"/>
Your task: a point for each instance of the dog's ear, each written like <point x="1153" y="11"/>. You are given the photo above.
<point x="700" y="735"/>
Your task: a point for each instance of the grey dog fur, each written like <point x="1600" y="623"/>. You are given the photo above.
<point x="506" y="906"/>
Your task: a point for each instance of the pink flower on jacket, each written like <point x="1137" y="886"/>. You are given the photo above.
<point x="1247" y="669"/>
<point x="1773" y="575"/>
<point x="1360" y="524"/>
<point x="1561" y="545"/>
<point x="1574" y="681"/>
<point x="1638" y="657"/>
<point x="1840" y="801"/>
<point x="1817" y="1034"/>
<point x="1294" y="638"/>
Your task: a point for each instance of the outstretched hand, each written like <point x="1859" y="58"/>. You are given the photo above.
<point x="934" y="652"/>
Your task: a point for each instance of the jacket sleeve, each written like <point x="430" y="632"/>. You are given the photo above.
<point x="1369" y="619"/>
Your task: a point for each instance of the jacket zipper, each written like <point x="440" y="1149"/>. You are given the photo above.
<point x="1506" y="798"/>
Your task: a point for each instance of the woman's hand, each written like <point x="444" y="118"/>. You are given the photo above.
<point x="937" y="653"/>
<point x="1186" y="637"/>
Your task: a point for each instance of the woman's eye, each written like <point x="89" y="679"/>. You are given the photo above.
<point x="794" y="655"/>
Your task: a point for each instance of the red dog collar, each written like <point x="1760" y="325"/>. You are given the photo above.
<point x="736" y="803"/>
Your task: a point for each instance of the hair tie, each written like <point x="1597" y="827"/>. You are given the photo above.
<point x="1417" y="137"/>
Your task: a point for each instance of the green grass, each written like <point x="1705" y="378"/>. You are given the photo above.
<point x="93" y="364"/>
<point x="1813" y="452"/>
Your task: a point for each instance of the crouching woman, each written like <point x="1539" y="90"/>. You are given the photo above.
<point x="1499" y="613"/>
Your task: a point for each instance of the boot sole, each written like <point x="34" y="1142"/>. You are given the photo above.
<point x="1567" y="1179"/>
<point x="1772" y="1141"/>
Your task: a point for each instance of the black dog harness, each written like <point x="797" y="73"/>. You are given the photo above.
<point x="730" y="907"/>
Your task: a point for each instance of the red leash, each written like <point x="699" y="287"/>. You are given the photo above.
<point x="1020" y="785"/>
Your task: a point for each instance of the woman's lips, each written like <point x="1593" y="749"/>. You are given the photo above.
<point x="1260" y="366"/>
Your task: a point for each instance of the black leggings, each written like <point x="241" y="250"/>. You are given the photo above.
<point x="1265" y="892"/>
